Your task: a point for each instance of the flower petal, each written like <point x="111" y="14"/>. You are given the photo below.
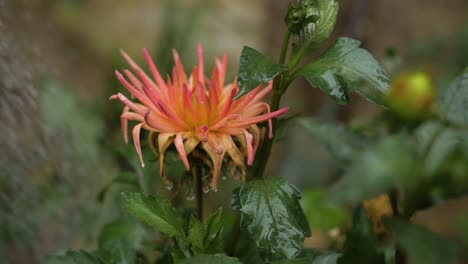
<point x="136" y="141"/>
<point x="179" y="144"/>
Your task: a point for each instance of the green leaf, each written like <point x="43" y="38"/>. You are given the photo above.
<point x="272" y="216"/>
<point x="389" y="163"/>
<point x="343" y="144"/>
<point x="196" y="235"/>
<point x="361" y="244"/>
<point x="444" y="144"/>
<point x="74" y="257"/>
<point x="156" y="212"/>
<point x="208" y="237"/>
<point x="345" y="67"/>
<point x="423" y="246"/>
<point x="255" y="69"/>
<point x="312" y="257"/>
<point x="454" y="100"/>
<point x="214" y="233"/>
<point x="120" y="239"/>
<point x="209" y="259"/>
<point x="320" y="213"/>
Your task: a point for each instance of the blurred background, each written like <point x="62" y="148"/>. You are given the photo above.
<point x="61" y="147"/>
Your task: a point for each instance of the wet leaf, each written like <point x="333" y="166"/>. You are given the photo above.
<point x="209" y="259"/>
<point x="423" y="246"/>
<point x="156" y="212"/>
<point x="345" y="67"/>
<point x="361" y="244"/>
<point x="454" y="100"/>
<point x="74" y="257"/>
<point x="255" y="69"/>
<point x="343" y="144"/>
<point x="272" y="216"/>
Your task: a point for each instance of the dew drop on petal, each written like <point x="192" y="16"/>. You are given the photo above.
<point x="190" y="197"/>
<point x="224" y="177"/>
<point x="206" y="189"/>
<point x="214" y="189"/>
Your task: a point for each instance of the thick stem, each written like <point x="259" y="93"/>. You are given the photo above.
<point x="197" y="177"/>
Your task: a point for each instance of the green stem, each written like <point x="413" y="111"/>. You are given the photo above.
<point x="197" y="177"/>
<point x="278" y="90"/>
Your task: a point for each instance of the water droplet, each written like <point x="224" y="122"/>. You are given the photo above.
<point x="224" y="177"/>
<point x="214" y="189"/>
<point x="190" y="197"/>
<point x="219" y="150"/>
<point x="206" y="189"/>
<point x="169" y="186"/>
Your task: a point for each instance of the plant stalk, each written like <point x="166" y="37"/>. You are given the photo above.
<point x="277" y="92"/>
<point x="197" y="176"/>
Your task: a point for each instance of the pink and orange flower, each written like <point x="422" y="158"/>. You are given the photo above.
<point x="194" y="111"/>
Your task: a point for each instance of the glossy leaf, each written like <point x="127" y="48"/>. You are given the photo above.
<point x="345" y="67"/>
<point x="272" y="216"/>
<point x="255" y="69"/>
<point x="361" y="244"/>
<point x="209" y="259"/>
<point x="342" y="143"/>
<point x="454" y="100"/>
<point x="388" y="163"/>
<point x="74" y="257"/>
<point x="312" y="257"/>
<point x="156" y="212"/>
<point x="423" y="246"/>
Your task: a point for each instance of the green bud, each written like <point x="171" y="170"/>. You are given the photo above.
<point x="412" y="95"/>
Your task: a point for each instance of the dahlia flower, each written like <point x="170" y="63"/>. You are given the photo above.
<point x="192" y="111"/>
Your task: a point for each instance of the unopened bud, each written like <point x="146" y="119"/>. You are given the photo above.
<point x="411" y="95"/>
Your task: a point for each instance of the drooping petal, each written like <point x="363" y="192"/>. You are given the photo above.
<point x="216" y="154"/>
<point x="179" y="144"/>
<point x="248" y="140"/>
<point x="136" y="141"/>
<point x="164" y="141"/>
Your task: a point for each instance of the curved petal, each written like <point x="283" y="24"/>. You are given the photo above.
<point x="136" y="141"/>
<point x="248" y="140"/>
<point x="179" y="144"/>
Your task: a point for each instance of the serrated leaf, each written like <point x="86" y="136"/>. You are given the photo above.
<point x="196" y="234"/>
<point x="345" y="67"/>
<point x="271" y="214"/>
<point x="361" y="244"/>
<point x="74" y="257"/>
<point x="343" y="144"/>
<point x="454" y="100"/>
<point x="312" y="257"/>
<point x="423" y="246"/>
<point x="255" y="69"/>
<point x="387" y="164"/>
<point x="209" y="259"/>
<point x="214" y="233"/>
<point x="156" y="212"/>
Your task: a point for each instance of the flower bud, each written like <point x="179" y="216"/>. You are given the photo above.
<point x="411" y="95"/>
